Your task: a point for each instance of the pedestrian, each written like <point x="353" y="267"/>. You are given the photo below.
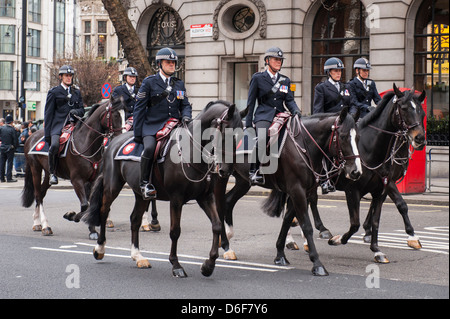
<point x="128" y="90"/>
<point x="160" y="98"/>
<point x="272" y="91"/>
<point x="332" y="95"/>
<point x="2" y="121"/>
<point x="64" y="104"/>
<point x="9" y="138"/>
<point x="362" y="89"/>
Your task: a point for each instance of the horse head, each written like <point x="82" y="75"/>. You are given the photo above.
<point x="409" y="115"/>
<point x="343" y="144"/>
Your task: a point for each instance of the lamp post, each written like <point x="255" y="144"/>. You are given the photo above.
<point x="22" y="99"/>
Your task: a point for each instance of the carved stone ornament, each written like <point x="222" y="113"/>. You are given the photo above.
<point x="262" y="12"/>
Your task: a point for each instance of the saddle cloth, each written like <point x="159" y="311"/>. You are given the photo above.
<point x="41" y="147"/>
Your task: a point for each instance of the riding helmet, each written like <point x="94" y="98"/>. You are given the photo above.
<point x="66" y="69"/>
<point x="333" y="64"/>
<point x="166" y="54"/>
<point x="362" y="63"/>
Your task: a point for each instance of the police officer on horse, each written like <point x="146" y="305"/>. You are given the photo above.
<point x="362" y="89"/>
<point x="64" y="104"/>
<point x="128" y="90"/>
<point x="272" y="90"/>
<point x="160" y="98"/>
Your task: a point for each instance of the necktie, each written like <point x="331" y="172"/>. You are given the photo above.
<point x="274" y="79"/>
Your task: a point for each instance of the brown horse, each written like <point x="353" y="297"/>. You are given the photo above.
<point x="81" y="164"/>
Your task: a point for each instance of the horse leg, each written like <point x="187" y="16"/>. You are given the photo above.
<point x="298" y="197"/>
<point x="367" y="225"/>
<point x="140" y="206"/>
<point x="175" y="231"/>
<point x="394" y="194"/>
<point x="40" y="221"/>
<point x="380" y="257"/>
<point x="353" y="204"/>
<point x="208" y="205"/>
<point x="313" y="199"/>
<point x="281" y="259"/>
<point x="153" y="224"/>
<point x="290" y="242"/>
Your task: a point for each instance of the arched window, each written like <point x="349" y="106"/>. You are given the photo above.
<point x="166" y="30"/>
<point x="339" y="30"/>
<point x="431" y="62"/>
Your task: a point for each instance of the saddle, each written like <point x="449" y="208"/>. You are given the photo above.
<point x="162" y="136"/>
<point x="65" y="136"/>
<point x="278" y="123"/>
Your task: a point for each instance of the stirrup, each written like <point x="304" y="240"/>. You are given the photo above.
<point x="148" y="191"/>
<point x="256" y="178"/>
<point x="53" y="179"/>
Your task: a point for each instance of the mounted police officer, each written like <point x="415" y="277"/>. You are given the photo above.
<point x="272" y="91"/>
<point x="128" y="90"/>
<point x="9" y="143"/>
<point x="64" y="104"/>
<point x="160" y="98"/>
<point x="362" y="89"/>
<point x="331" y="95"/>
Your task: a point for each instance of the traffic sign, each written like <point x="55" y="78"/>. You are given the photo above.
<point x="106" y="90"/>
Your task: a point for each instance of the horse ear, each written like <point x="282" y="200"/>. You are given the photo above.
<point x="231" y="110"/>
<point x="397" y="92"/>
<point x="422" y="96"/>
<point x="343" y="115"/>
<point x="244" y="113"/>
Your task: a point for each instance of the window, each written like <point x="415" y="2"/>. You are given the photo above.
<point x="431" y="63"/>
<point x="7" y="39"/>
<point x="101" y="26"/>
<point x="244" y="19"/>
<point x="34" y="43"/>
<point x="87" y="43"/>
<point x="60" y="9"/>
<point x="7" y="8"/>
<point x="87" y="26"/>
<point x="34" y="11"/>
<point x="166" y="30"/>
<point x="6" y="75"/>
<point x="34" y="75"/>
<point x="339" y="30"/>
<point x="101" y="46"/>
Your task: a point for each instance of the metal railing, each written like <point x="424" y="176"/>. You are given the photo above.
<point x="429" y="163"/>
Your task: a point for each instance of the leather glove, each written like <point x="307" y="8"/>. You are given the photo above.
<point x="186" y="120"/>
<point x="298" y="113"/>
<point x="138" y="139"/>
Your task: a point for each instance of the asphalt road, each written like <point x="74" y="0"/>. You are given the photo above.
<point x="62" y="265"/>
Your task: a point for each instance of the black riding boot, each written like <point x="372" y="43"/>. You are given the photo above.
<point x="254" y="174"/>
<point x="52" y="168"/>
<point x="147" y="189"/>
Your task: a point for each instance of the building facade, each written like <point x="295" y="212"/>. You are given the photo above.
<point x="222" y="43"/>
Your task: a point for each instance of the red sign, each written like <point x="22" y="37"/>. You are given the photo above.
<point x="106" y="90"/>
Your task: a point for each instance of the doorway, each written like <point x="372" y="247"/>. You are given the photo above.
<point x="243" y="72"/>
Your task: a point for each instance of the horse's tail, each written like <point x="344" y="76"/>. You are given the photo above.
<point x="28" y="187"/>
<point x="92" y="215"/>
<point x="274" y="204"/>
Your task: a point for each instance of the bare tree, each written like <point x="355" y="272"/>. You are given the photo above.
<point x="128" y="37"/>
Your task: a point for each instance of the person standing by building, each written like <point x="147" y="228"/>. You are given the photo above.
<point x="161" y="97"/>
<point x="64" y="104"/>
<point x="272" y="91"/>
<point x="9" y="138"/>
<point x="128" y="90"/>
<point x="362" y="89"/>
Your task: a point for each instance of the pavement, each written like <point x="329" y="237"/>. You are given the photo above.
<point x="437" y="192"/>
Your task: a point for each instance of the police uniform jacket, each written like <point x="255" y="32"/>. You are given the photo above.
<point x="152" y="110"/>
<point x="58" y="106"/>
<point x="327" y="99"/>
<point x="129" y="98"/>
<point x="269" y="103"/>
<point x="361" y="96"/>
<point x="8" y="137"/>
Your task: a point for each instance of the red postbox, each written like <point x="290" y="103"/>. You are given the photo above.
<point x="414" y="181"/>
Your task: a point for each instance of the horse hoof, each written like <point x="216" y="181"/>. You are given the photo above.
<point x="143" y="263"/>
<point x="367" y="239"/>
<point x="326" y="234"/>
<point x="179" y="273"/>
<point x="70" y="216"/>
<point x="335" y="241"/>
<point x="155" y="227"/>
<point x="281" y="261"/>
<point x="229" y="255"/>
<point x="47" y="231"/>
<point x="292" y="246"/>
<point x="414" y="243"/>
<point x="109" y="224"/>
<point x="37" y="228"/>
<point x="93" y="236"/>
<point x="381" y="258"/>
<point x="145" y="228"/>
<point x="319" y="271"/>
<point x="207" y="268"/>
<point x="98" y="256"/>
<point x="306" y="248"/>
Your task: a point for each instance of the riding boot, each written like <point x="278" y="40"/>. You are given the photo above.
<point x="52" y="168"/>
<point x="147" y="189"/>
<point x="254" y="174"/>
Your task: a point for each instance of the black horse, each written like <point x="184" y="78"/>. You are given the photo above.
<point x="178" y="179"/>
<point x="332" y="136"/>
<point x="80" y="165"/>
<point x="385" y="138"/>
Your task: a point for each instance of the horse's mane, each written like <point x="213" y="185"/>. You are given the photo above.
<point x="237" y="119"/>
<point x="378" y="110"/>
<point x="93" y="109"/>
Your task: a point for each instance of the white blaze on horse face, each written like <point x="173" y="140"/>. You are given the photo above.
<point x="122" y="116"/>
<point x="414" y="105"/>
<point x="355" y="150"/>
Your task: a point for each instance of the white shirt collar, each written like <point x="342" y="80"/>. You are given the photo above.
<point x="163" y="77"/>
<point x="65" y="87"/>
<point x="272" y="75"/>
<point x="129" y="87"/>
